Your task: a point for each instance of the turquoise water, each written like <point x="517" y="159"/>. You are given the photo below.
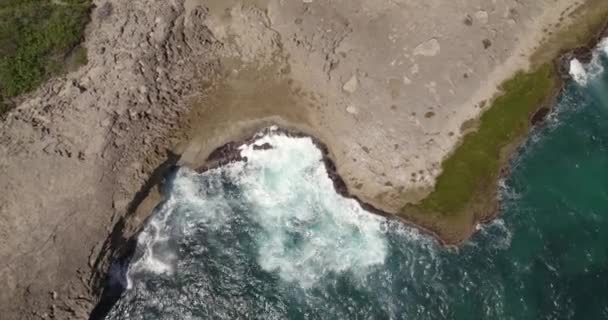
<point x="270" y="239"/>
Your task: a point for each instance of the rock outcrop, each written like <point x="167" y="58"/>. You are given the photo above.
<point x="77" y="152"/>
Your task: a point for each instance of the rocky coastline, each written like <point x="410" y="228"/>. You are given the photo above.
<point x="537" y="119"/>
<point x="121" y="248"/>
<point x="584" y="53"/>
<point x="230" y="152"/>
<point x="85" y="156"/>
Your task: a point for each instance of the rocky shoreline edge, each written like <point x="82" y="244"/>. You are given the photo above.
<point x="584" y="54"/>
<point x="119" y="249"/>
<point x="230" y="152"/>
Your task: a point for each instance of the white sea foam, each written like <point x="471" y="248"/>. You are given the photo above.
<point x="603" y="45"/>
<point x="595" y="67"/>
<point x="157" y="254"/>
<point x="309" y="229"/>
<point x="506" y="192"/>
<point x="584" y="73"/>
<point x="501" y="234"/>
<point x="578" y="72"/>
<point x="155" y="257"/>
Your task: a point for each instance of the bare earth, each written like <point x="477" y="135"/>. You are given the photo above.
<point x="386" y="84"/>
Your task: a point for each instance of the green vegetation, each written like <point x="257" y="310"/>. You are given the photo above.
<point x="475" y="164"/>
<point x="465" y="191"/>
<point x="36" y="37"/>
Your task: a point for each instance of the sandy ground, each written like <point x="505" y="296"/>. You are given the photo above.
<point x="386" y="84"/>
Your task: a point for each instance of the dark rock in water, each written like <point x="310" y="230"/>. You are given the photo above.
<point x="265" y="146"/>
<point x="227" y="151"/>
<point x="223" y="155"/>
<point x="230" y="152"/>
<point x="583" y="54"/>
<point x="540" y="115"/>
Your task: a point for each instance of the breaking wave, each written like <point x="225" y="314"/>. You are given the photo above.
<point x="304" y="230"/>
<point x="584" y="73"/>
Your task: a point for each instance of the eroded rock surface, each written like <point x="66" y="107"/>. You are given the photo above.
<point x="385" y="84"/>
<point x="75" y="152"/>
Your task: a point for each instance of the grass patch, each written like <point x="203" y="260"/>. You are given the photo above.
<point x="475" y="164"/>
<point x="35" y="38"/>
<point x="465" y="191"/>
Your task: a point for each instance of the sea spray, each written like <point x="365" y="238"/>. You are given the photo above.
<point x="578" y="72"/>
<point x="582" y="73"/>
<point x="308" y="230"/>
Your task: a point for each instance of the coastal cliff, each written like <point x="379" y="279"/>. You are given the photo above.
<point x="84" y="156"/>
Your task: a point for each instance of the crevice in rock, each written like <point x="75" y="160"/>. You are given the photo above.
<point x="110" y="281"/>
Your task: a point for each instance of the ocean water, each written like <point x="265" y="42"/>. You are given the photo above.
<point x="270" y="238"/>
